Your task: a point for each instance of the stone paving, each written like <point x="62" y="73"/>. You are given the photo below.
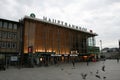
<point x="81" y="71"/>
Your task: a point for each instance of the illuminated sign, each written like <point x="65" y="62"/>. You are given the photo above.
<point x="73" y="55"/>
<point x="55" y="54"/>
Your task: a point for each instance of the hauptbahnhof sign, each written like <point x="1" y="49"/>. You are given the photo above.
<point x="64" y="24"/>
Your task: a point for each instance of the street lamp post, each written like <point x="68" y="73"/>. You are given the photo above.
<point x="101" y="46"/>
<point x="119" y="46"/>
<point x="101" y="49"/>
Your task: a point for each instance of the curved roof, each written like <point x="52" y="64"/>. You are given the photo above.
<point x="45" y="21"/>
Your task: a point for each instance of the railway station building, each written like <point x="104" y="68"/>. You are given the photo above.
<point x="51" y="41"/>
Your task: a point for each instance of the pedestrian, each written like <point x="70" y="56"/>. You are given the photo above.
<point x="73" y="62"/>
<point x="103" y="68"/>
<point x="87" y="62"/>
<point x="117" y="60"/>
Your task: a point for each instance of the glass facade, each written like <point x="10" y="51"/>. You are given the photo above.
<point x="91" y="41"/>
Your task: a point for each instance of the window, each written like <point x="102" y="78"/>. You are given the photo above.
<point x="0" y="44"/>
<point x="9" y="35"/>
<point x="10" y="26"/>
<point x="8" y="44"/>
<point x="14" y="36"/>
<point x="0" y="23"/>
<point x="15" y="26"/>
<point x="14" y="45"/>
<point x="0" y="34"/>
<point x="4" y="35"/>
<point x="5" y="25"/>
<point x="3" y="44"/>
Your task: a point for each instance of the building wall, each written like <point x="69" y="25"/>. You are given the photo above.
<point x="10" y="47"/>
<point x="9" y="36"/>
<point x="46" y="37"/>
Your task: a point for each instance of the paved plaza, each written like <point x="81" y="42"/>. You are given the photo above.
<point x="82" y="71"/>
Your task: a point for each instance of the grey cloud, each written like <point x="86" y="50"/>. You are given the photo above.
<point x="100" y="15"/>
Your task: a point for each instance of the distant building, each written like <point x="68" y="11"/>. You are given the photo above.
<point x="110" y="52"/>
<point x="9" y="40"/>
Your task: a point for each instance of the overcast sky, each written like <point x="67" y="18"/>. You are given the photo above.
<point x="101" y="16"/>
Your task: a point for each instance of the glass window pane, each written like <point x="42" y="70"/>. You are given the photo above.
<point x="14" y="36"/>
<point x="8" y="44"/>
<point x="0" y="23"/>
<point x="4" y="34"/>
<point x="0" y="44"/>
<point x="15" y="26"/>
<point x="13" y="45"/>
<point x="10" y="26"/>
<point x="3" y="44"/>
<point x="0" y="34"/>
<point x="9" y="35"/>
<point x="5" y="25"/>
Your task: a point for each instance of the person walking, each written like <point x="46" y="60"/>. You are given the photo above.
<point x="87" y="62"/>
<point x="73" y="63"/>
<point x="117" y="60"/>
<point x="103" y="68"/>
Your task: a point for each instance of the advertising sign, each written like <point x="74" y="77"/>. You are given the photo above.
<point x="14" y="58"/>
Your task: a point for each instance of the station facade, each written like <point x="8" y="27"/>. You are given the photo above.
<point x="53" y="41"/>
